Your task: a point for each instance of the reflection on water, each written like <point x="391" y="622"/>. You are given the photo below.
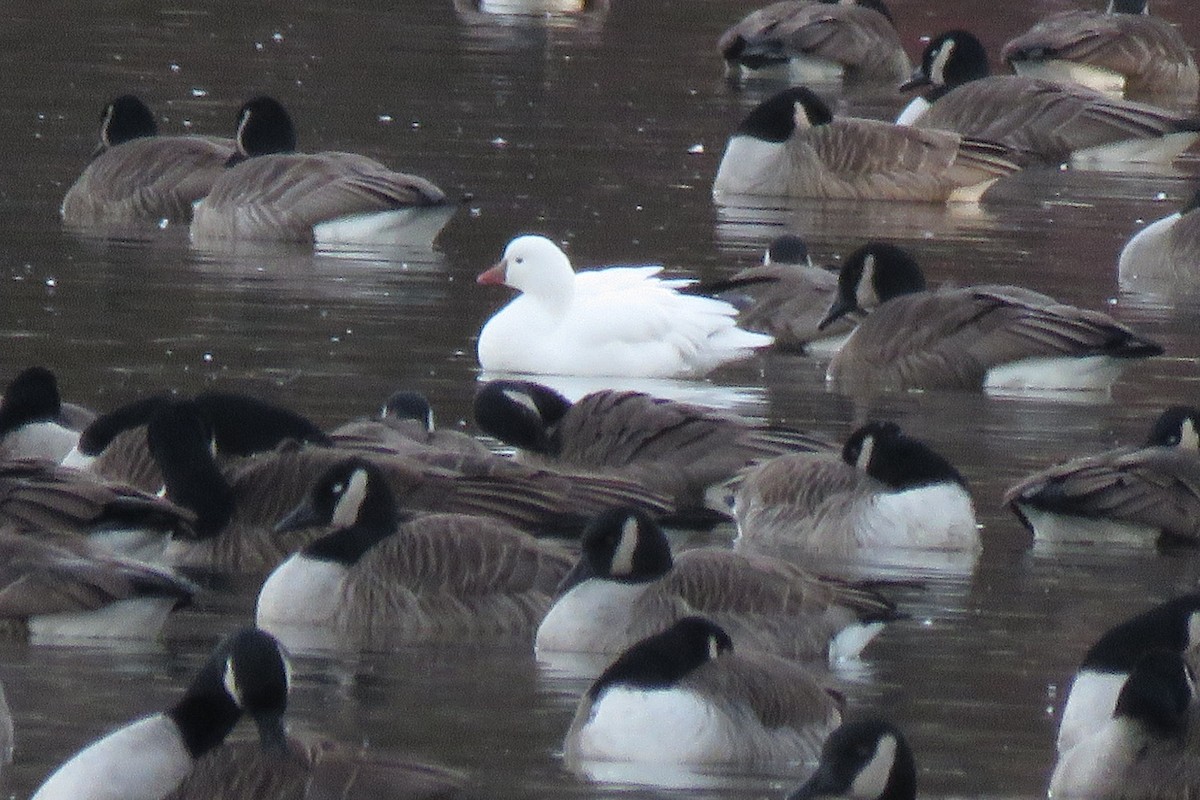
<point x="603" y="129"/>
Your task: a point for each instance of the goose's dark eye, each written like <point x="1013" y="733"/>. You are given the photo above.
<point x="520" y="260"/>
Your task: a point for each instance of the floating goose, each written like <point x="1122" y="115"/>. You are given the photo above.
<point x="987" y="336"/>
<point x="628" y="585"/>
<point x="1165" y="250"/>
<point x="1134" y="495"/>
<point x="1040" y="120"/>
<point x="405" y="425"/>
<point x="818" y="41"/>
<point x="619" y="321"/>
<point x="138" y="176"/>
<point x="271" y="192"/>
<point x="791" y="146"/>
<point x="1122" y="51"/>
<point x="679" y="450"/>
<point x="380" y="579"/>
<point x="1173" y="625"/>
<point x="886" y="491"/>
<point x="687" y="696"/>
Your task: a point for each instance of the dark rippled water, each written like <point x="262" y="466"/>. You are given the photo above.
<point x="604" y="130"/>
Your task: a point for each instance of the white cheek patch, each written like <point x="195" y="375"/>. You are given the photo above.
<point x="104" y="134"/>
<point x="937" y="70"/>
<point x="1193" y="630"/>
<point x="230" y="681"/>
<point x="864" y="294"/>
<point x="241" y="130"/>
<point x="800" y="117"/>
<point x="864" y="455"/>
<point x="872" y="779"/>
<point x="1189" y="440"/>
<point x="522" y="399"/>
<point x="346" y="511"/>
<point x="714" y="648"/>
<point x="622" y="560"/>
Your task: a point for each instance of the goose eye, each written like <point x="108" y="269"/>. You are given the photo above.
<point x="338" y="488"/>
<point x="520" y="260"/>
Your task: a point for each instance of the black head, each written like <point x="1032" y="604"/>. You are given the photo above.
<point x="407" y="405"/>
<point x="901" y="462"/>
<point x="873" y="274"/>
<point x="247" y="672"/>
<point x="868" y="760"/>
<point x="180" y="439"/>
<point x="520" y="413"/>
<point x="1178" y="426"/>
<point x="621" y="544"/>
<point x="787" y="249"/>
<point x="1173" y="625"/>
<point x="354" y="498"/>
<point x="950" y="59"/>
<point x="1158" y="693"/>
<point x="32" y="396"/>
<point x="264" y="127"/>
<point x="244" y="425"/>
<point x="662" y="660"/>
<point x="778" y="117"/>
<point x="125" y="119"/>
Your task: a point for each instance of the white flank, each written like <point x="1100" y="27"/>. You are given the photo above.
<point x="1086" y="373"/>
<point x="137" y="618"/>
<point x="1050" y="529"/>
<point x="414" y="227"/>
<point x="1102" y="80"/>
<point x="1089" y="706"/>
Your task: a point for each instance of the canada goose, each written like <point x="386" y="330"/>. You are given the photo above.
<point x="1039" y="120"/>
<point x="867" y="759"/>
<point x="1166" y="249"/>
<point x="114" y="444"/>
<point x="238" y="505"/>
<point x="627" y="585"/>
<point x="995" y="337"/>
<point x="676" y="449"/>
<point x="1173" y="625"/>
<point x="1140" y="494"/>
<point x="151" y="757"/>
<point x="67" y="588"/>
<point x="138" y="176"/>
<point x="34" y="422"/>
<point x="619" y="321"/>
<point x="791" y="146"/>
<point x="886" y="491"/>
<point x="1122" y="51"/>
<point x="687" y="696"/>
<point x="272" y="192"/>
<point x="381" y="579"/>
<point x="818" y="41"/>
<point x="405" y="425"/>
<point x="1143" y="749"/>
<point x="786" y="297"/>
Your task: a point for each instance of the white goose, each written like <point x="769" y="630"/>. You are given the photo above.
<point x="619" y="321"/>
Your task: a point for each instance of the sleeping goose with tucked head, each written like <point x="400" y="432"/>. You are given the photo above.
<point x="66" y="588"/>
<point x="34" y="422"/>
<point x="792" y="146"/>
<point x="271" y="192"/>
<point x="1173" y="625"/>
<point x="1040" y="120"/>
<point x="381" y="579"/>
<point x="1142" y="495"/>
<point x="627" y="585"/>
<point x="688" y="696"/>
<point x="139" y="176"/>
<point x="1166" y="250"/>
<point x="617" y="321"/>
<point x="405" y="424"/>
<point x="787" y="297"/>
<point x="1144" y="749"/>
<point x="677" y="449"/>
<point x="887" y="491"/>
<point x="818" y="42"/>
<point x="986" y="336"/>
<point x="1122" y="51"/>
<point x="867" y="759"/>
